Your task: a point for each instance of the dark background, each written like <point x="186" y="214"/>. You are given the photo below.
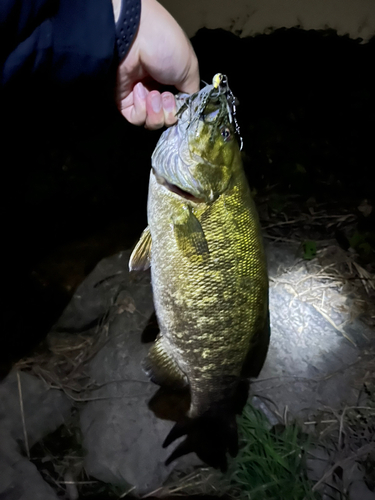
<point x="75" y="173"/>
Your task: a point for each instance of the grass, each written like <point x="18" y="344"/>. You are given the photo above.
<point x="271" y="462"/>
<point x="270" y="465"/>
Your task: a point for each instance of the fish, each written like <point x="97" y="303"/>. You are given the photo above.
<point x="209" y="275"/>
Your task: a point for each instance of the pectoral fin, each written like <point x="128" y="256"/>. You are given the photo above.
<point x="189" y="234"/>
<point x="140" y="259"/>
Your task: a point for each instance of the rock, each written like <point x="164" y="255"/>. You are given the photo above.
<point x="280" y="256"/>
<point x="20" y="479"/>
<point x="95" y="295"/>
<point x="44" y="411"/>
<point x="314" y="359"/>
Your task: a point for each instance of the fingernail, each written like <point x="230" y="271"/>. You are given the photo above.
<point x="169" y="103"/>
<point x="156" y="102"/>
<point x="141" y="91"/>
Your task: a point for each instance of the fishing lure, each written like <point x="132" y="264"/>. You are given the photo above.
<point x="220" y="92"/>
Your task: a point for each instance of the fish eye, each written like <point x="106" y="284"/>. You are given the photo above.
<point x="225" y="133"/>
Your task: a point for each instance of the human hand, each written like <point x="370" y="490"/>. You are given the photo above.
<point x="160" y="54"/>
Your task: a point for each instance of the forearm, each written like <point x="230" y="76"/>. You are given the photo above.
<point x="75" y="42"/>
<point x="47" y="43"/>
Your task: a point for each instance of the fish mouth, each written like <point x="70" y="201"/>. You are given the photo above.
<point x="173" y="188"/>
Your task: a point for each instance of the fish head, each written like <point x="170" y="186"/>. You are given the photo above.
<point x="213" y="148"/>
<point x="199" y="155"/>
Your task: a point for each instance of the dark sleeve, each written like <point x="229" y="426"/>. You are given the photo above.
<point x="55" y="42"/>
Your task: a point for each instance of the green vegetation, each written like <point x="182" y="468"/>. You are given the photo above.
<point x="270" y="465"/>
<point x="309" y="249"/>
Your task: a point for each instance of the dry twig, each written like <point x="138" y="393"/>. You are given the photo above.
<point x="23" y="415"/>
<point x="363" y="450"/>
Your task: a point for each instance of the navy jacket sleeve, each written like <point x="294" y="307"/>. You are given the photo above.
<point x="55" y="41"/>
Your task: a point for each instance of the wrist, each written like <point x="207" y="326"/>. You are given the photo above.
<point x="127" y="14"/>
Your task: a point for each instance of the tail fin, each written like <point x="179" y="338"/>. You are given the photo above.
<point x="208" y="436"/>
<point x="212" y="435"/>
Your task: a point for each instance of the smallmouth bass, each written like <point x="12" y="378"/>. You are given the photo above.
<point x="208" y="272"/>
